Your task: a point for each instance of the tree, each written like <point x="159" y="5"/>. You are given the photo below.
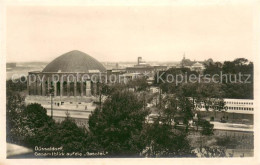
<point x="239" y="90"/>
<point x="240" y="61"/>
<point x="139" y="84"/>
<point x="14" y="107"/>
<point x="68" y="135"/>
<point x="169" y="109"/>
<point x="212" y="69"/>
<point x="189" y="90"/>
<point x="35" y="128"/>
<point x="15" y="85"/>
<point x="186" y="108"/>
<point x="35" y="115"/>
<point x="210" y="95"/>
<point x="116" y="127"/>
<point x="209" y="62"/>
<point x="168" y="79"/>
<point x="235" y="87"/>
<point x="164" y="141"/>
<point x="32" y="120"/>
<point x="207" y="128"/>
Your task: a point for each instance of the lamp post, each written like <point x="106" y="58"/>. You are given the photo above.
<point x="51" y="91"/>
<point x="51" y="107"/>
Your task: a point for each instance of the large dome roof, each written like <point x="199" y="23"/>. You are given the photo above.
<point x="74" y="61"/>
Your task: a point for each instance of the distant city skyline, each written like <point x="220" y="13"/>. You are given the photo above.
<point x="125" y="62"/>
<point x="122" y="33"/>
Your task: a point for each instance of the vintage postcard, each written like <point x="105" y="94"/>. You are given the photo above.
<point x="130" y="82"/>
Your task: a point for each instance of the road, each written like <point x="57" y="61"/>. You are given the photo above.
<point x="232" y="126"/>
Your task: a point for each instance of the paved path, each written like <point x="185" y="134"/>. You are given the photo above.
<point x="73" y="110"/>
<point x="232" y="126"/>
<point x="72" y="113"/>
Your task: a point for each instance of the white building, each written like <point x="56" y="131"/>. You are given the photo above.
<point x="198" y="67"/>
<point x="243" y="106"/>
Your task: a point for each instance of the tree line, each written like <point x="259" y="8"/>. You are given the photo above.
<point x="230" y="85"/>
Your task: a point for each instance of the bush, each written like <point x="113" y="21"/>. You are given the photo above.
<point x="207" y="128"/>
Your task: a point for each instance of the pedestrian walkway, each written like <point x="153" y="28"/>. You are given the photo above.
<point x="232" y="126"/>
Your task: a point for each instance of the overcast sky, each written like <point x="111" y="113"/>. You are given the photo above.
<point x="121" y="33"/>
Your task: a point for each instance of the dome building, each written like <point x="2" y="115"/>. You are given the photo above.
<point x="68" y="82"/>
<point x="66" y="76"/>
<point x="73" y="62"/>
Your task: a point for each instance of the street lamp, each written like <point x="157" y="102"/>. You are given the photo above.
<point x="51" y="92"/>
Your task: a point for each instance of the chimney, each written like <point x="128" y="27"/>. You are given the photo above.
<point x="139" y="60"/>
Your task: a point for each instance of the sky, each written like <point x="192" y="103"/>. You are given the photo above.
<point x="122" y="33"/>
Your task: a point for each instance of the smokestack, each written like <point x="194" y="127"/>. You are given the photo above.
<point x="139" y="60"/>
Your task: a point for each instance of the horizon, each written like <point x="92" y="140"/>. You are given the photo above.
<point x="133" y="61"/>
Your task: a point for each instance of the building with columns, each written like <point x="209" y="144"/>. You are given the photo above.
<point x="69" y="83"/>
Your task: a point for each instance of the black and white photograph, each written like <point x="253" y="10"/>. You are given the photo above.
<point x="143" y="81"/>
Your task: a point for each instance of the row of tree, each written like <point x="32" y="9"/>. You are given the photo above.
<point x="235" y="80"/>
